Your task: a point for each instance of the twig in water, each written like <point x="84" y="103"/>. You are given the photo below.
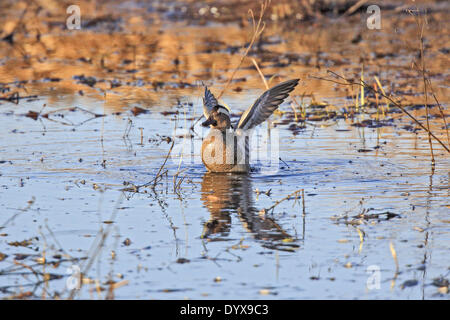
<point x="295" y="193"/>
<point x="283" y="162"/>
<point x="158" y="176"/>
<point x="30" y="203"/>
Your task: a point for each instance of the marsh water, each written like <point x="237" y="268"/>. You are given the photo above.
<point x="373" y="224"/>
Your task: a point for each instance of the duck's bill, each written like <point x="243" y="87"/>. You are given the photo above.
<point x="208" y="122"/>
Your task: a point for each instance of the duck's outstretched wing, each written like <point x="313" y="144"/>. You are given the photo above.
<point x="265" y="105"/>
<point x="209" y="102"/>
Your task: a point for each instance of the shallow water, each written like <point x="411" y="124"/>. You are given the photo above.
<point x="214" y="221"/>
<point x="67" y="179"/>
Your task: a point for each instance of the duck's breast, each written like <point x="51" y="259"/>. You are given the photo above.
<point x="224" y="152"/>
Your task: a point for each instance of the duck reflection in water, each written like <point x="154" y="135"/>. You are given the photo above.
<point x="225" y="194"/>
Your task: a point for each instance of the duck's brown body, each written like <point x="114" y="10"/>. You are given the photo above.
<point x="226" y="148"/>
<point x="224" y="151"/>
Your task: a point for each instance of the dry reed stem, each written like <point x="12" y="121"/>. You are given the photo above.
<point x="162" y="166"/>
<point x="301" y="107"/>
<point x="158" y="176"/>
<point x="397" y="268"/>
<point x="421" y="26"/>
<point x="382" y="90"/>
<point x="361" y="239"/>
<point x="441" y="112"/>
<point x="128" y="128"/>
<point x="354" y="8"/>
<point x="363" y="102"/>
<point x="376" y="100"/>
<point x="303" y="202"/>
<point x="257" y="30"/>
<point x="177" y="185"/>
<point x="286" y="198"/>
<point x="439" y="106"/>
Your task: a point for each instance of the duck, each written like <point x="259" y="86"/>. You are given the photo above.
<point x="226" y="148"/>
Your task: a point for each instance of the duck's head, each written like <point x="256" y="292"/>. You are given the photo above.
<point x="219" y="118"/>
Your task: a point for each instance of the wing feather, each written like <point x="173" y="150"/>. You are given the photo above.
<point x="266" y="104"/>
<point x="209" y="102"/>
